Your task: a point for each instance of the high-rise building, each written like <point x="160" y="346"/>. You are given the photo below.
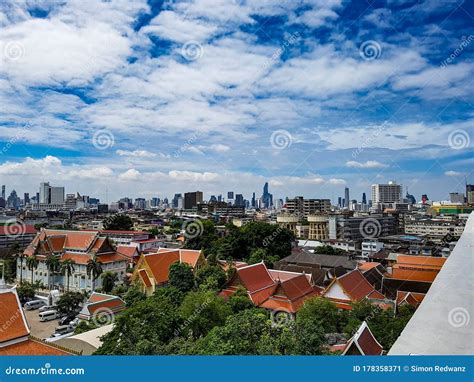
<point x="174" y="202"/>
<point x="56" y="195"/>
<point x="339" y="202"/>
<point x="213" y="199"/>
<point x="469" y="191"/>
<point x="239" y="200"/>
<point x="364" y="198"/>
<point x="386" y="193"/>
<point x="44" y="193"/>
<point x="191" y="199"/>
<point x="267" y="198"/>
<point x="456" y="197"/>
<point x="230" y="195"/>
<point x="26" y="198"/>
<point x="424" y="199"/>
<point x="3" y="193"/>
<point x="253" y="200"/>
<point x="13" y="200"/>
<point x="346" y="198"/>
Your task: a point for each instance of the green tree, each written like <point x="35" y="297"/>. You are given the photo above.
<point x="201" y="311"/>
<point x="32" y="263"/>
<point x="108" y="281"/>
<point x="52" y="264"/>
<point x="142" y="329"/>
<point x="19" y="255"/>
<point x="69" y="302"/>
<point x="321" y="312"/>
<point x="118" y="222"/>
<point x="261" y="254"/>
<point x="94" y="270"/>
<point x="211" y="272"/>
<point x="240" y="300"/>
<point x="133" y="295"/>
<point x="206" y="235"/>
<point x="26" y="291"/>
<point x="67" y="267"/>
<point x="181" y="276"/>
<point x="239" y="336"/>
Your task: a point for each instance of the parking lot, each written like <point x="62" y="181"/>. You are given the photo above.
<point x="40" y="329"/>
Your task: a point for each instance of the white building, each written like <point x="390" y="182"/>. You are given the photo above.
<point x="386" y="193"/>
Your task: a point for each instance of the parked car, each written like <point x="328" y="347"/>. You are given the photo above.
<point x="62" y="330"/>
<point x="46" y="308"/>
<point x="66" y="320"/>
<point x="48" y="315"/>
<point x="34" y="304"/>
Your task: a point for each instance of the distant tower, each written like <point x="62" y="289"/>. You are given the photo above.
<point x="364" y="198"/>
<point x="346" y="197"/>
<point x="3" y="192"/>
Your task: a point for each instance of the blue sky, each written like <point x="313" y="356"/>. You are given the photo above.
<point x="151" y="98"/>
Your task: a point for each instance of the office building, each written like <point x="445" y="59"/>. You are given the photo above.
<point x="3" y="193"/>
<point x="239" y="200"/>
<point x="346" y="198"/>
<point x="456" y="197"/>
<point x="304" y="207"/>
<point x="386" y="193"/>
<point x="364" y="198"/>
<point x="267" y="198"/>
<point x="191" y="199"/>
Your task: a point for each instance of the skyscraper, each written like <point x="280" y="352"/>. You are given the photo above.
<point x="3" y="192"/>
<point x="346" y="198"/>
<point x="267" y="198"/>
<point x="253" y="200"/>
<point x="364" y="198"/>
<point x="191" y="199"/>
<point x="44" y="193"/>
<point x="239" y="200"/>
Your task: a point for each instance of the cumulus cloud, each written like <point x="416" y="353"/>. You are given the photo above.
<point x="368" y="164"/>
<point x="136" y="153"/>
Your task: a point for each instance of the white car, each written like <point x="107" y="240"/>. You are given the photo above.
<point x="46" y="308"/>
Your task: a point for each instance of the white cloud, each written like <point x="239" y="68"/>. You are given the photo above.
<point x="452" y="173"/>
<point x="193" y="176"/>
<point x="136" y="153"/>
<point x="368" y="164"/>
<point x="131" y="174"/>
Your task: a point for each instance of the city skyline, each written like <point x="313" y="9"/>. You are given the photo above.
<point x="327" y="95"/>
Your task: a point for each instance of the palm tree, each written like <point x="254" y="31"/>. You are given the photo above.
<point x="52" y="264"/>
<point x="19" y="255"/>
<point x="67" y="267"/>
<point x="32" y="264"/>
<point x="108" y="281"/>
<point x="94" y="269"/>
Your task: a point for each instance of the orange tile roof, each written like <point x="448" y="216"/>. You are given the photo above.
<point x="111" y="257"/>
<point x="130" y="252"/>
<point x="425" y="261"/>
<point x="159" y="264"/>
<point x="12" y="321"/>
<point x="255" y="277"/>
<point x="189" y="256"/>
<point x="355" y="285"/>
<point x="411" y="298"/>
<point x="77" y="258"/>
<point x="96" y="297"/>
<point x="145" y="278"/>
<point x="367" y="266"/>
<point x="31" y="347"/>
<point x="26" y="229"/>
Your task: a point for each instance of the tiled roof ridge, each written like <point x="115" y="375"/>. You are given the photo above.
<point x="54" y="345"/>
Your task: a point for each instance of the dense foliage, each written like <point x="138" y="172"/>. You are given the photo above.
<point x="69" y="302"/>
<point x="254" y="242"/>
<point x="118" y="222"/>
<point x="200" y="322"/>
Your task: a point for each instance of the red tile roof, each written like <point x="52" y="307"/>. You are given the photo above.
<point x="130" y="252"/>
<point x="364" y="341"/>
<point x="12" y="321"/>
<point x="355" y="285"/>
<point x="145" y="278"/>
<point x="32" y="347"/>
<point x="104" y="303"/>
<point x="159" y="264"/>
<point x="255" y="277"/>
